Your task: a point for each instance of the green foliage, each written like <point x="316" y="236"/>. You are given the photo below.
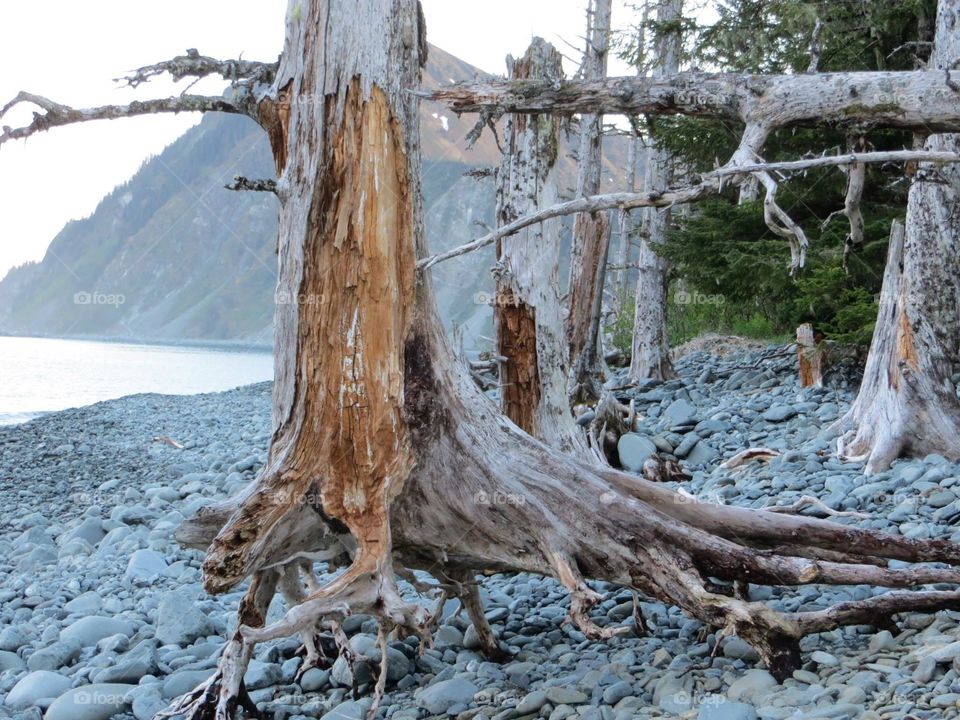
<point x="722" y="248"/>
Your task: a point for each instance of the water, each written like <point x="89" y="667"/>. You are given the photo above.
<point x="39" y="375"/>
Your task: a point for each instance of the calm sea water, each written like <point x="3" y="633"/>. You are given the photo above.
<point x="39" y="375"/>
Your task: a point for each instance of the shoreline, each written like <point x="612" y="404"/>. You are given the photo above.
<point x="152" y="342"/>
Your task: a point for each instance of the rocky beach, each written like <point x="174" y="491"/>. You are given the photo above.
<point x="103" y="615"/>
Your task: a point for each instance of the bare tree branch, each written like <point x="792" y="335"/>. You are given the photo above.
<point x="710" y="183"/>
<point x="195" y="65"/>
<point x="916" y="100"/>
<point x="57" y="115"/>
<point x="856" y="181"/>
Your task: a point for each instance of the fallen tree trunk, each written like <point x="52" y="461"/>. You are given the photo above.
<point x="923" y="101"/>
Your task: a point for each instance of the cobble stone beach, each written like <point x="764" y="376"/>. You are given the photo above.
<point x="103" y="615"/>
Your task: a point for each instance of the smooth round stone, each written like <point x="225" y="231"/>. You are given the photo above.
<point x="36" y="686"/>
<point x="89" y="602"/>
<point x="754" y="685"/>
<point x="447" y="636"/>
<point x="90" y="702"/>
<point x="90" y="630"/>
<point x="531" y="702"/>
<point x="55" y="656"/>
<point x="738" y="649"/>
<point x="11" y="661"/>
<point x="12" y="639"/>
<point x="565" y="696"/>
<point x="719" y="708"/>
<point x="314" y="679"/>
<point x="439" y="697"/>
<point x="350" y="710"/>
<point x="824" y="658"/>
<point x="180" y="621"/>
<point x="617" y="692"/>
<point x="184" y="681"/>
<point x="260" y="675"/>
<point x="634" y="450"/>
<point x="779" y="413"/>
<point x="146" y="565"/>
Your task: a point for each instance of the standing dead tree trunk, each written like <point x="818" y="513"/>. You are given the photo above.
<point x="809" y="357"/>
<point x="907" y="402"/>
<point x="625" y="226"/>
<point x="591" y="231"/>
<point x="527" y="311"/>
<point x="371" y="411"/>
<point x="650" y="357"/>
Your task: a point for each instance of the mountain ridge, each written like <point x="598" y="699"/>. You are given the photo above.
<point x="172" y="256"/>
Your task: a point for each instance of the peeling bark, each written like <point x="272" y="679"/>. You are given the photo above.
<point x="527" y="311"/>
<point x="809" y="357"/>
<point x="517" y="505"/>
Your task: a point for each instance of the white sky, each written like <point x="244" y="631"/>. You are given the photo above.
<point x="69" y="51"/>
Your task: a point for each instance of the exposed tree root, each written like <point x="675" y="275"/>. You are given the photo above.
<point x="220" y="696"/>
<point x="647" y="538"/>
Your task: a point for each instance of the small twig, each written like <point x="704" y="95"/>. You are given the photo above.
<point x="168" y="441"/>
<point x="809" y="501"/>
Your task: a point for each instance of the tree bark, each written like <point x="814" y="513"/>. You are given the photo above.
<point x="527" y="311"/>
<point x="650" y="357"/>
<point x="809" y="357"/>
<point x="591" y="231"/>
<point x="907" y="403"/>
<point x="371" y="412"/>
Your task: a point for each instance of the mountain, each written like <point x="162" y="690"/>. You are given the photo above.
<point x="171" y="255"/>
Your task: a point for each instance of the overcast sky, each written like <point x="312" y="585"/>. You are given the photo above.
<point x="69" y="51"/>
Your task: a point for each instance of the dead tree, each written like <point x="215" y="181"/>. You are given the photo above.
<point x="625" y="226"/>
<point x="527" y="310"/>
<point x="591" y="231"/>
<point x="371" y="411"/>
<point x="907" y="402"/>
<point x="809" y="357"/>
<point x="650" y="357"/>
